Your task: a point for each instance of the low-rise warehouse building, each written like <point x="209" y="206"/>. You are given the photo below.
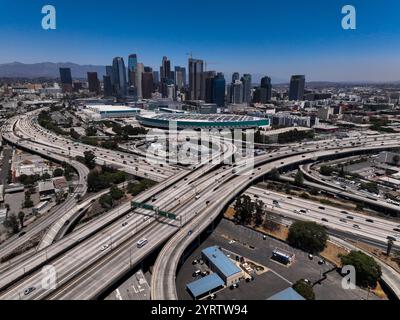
<point x="46" y="188"/>
<point x="219" y="263"/>
<point x="205" y="286"/>
<point x="100" y="112"/>
<point x="288" y="294"/>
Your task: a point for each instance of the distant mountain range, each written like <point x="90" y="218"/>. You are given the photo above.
<point x="47" y="70"/>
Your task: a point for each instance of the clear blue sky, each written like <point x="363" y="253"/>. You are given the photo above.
<point x="277" y="38"/>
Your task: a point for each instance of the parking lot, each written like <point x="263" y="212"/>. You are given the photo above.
<point x="250" y="244"/>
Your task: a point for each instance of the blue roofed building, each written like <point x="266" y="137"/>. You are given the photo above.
<point x="205" y="286"/>
<point x="288" y="294"/>
<point x="219" y="263"/>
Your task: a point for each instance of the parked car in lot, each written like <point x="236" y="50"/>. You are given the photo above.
<point x="234" y="286"/>
<point x="196" y="273"/>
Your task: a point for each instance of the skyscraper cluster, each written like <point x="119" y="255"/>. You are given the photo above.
<point x="141" y="82"/>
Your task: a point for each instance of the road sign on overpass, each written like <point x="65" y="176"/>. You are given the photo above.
<point x="150" y="207"/>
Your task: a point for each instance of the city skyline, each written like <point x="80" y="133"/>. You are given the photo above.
<point x="299" y="42"/>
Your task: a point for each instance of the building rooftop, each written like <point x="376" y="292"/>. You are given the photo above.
<point x="205" y="285"/>
<point x="221" y="261"/>
<point x="111" y="108"/>
<point x="45" y="186"/>
<point x="284" y="130"/>
<point x="288" y="294"/>
<point x="201" y="117"/>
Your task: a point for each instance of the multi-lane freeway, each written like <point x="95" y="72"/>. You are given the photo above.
<point x="94" y="257"/>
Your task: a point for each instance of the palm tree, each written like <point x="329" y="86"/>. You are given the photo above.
<point x="389" y="247"/>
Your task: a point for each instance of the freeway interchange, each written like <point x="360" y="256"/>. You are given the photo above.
<point x="93" y="258"/>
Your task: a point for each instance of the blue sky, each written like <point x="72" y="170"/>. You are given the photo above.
<point x="277" y="38"/>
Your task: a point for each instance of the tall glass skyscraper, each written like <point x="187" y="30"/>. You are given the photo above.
<point x="219" y="85"/>
<point x="108" y="89"/>
<point x="132" y="65"/>
<point x="297" y="85"/>
<point x="138" y="79"/>
<point x="195" y="71"/>
<point x="119" y="75"/>
<point x="237" y="92"/>
<point x="246" y="80"/>
<point x="180" y="77"/>
<point x="235" y="77"/>
<point x="66" y="79"/>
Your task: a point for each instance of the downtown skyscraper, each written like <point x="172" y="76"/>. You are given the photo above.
<point x="263" y="93"/>
<point x="180" y="77"/>
<point x="246" y="81"/>
<point x="297" y="85"/>
<point x="93" y="82"/>
<point x="138" y="80"/>
<point x="132" y="64"/>
<point x="165" y="76"/>
<point x="119" y="76"/>
<point x="66" y="79"/>
<point x="196" y="68"/>
<point x="218" y="89"/>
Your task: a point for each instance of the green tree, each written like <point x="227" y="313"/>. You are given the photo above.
<point x="12" y="223"/>
<point x="91" y="131"/>
<point x="371" y="187"/>
<point x="244" y="209"/>
<point x="368" y="272"/>
<point x="116" y="193"/>
<point x="326" y="170"/>
<point x="28" y="203"/>
<point x="308" y="236"/>
<point x="274" y="174"/>
<point x="299" y="179"/>
<point x="106" y="201"/>
<point x="58" y="172"/>
<point x="89" y="157"/>
<point x="21" y="217"/>
<point x="304" y="289"/>
<point x="45" y="176"/>
<point x="259" y="213"/>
